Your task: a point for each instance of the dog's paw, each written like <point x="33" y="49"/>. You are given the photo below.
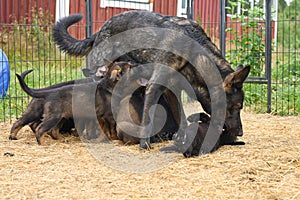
<point x="145" y="145"/>
<point x="12" y="138"/>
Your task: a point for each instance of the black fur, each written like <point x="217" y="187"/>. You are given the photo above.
<point x="200" y="124"/>
<point x="63" y="39"/>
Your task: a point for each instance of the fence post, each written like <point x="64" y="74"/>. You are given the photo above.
<point x="89" y="25"/>
<point x="222" y="27"/>
<point x="190" y="9"/>
<point x="268" y="52"/>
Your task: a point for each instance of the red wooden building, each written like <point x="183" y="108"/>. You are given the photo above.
<point x="206" y="12"/>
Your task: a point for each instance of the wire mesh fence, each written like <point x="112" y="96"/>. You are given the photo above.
<point x="26" y="39"/>
<point x="284" y="56"/>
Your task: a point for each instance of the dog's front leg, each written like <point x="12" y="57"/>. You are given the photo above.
<point x="152" y="95"/>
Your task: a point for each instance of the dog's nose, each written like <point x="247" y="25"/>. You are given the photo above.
<point x="240" y="133"/>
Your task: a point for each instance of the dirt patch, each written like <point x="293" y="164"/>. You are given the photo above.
<point x="267" y="167"/>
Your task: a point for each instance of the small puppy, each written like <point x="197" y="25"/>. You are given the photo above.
<point x="33" y="115"/>
<point x="58" y="102"/>
<point x="199" y="125"/>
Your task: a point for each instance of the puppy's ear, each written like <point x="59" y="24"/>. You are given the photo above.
<point x="114" y="75"/>
<point x="142" y="81"/>
<point x="228" y="83"/>
<point x="241" y="75"/>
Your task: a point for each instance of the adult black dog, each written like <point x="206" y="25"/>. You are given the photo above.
<point x="209" y="56"/>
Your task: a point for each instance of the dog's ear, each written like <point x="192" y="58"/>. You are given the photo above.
<point x="86" y="72"/>
<point x="114" y="75"/>
<point x="115" y="72"/>
<point x="236" y="79"/>
<point x="107" y="62"/>
<point x="240" y="76"/>
<point x="101" y="71"/>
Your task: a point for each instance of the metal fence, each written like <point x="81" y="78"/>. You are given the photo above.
<point x="264" y="34"/>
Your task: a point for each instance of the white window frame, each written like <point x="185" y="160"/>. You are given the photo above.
<point x="181" y="12"/>
<point x="131" y="4"/>
<point x="62" y="9"/>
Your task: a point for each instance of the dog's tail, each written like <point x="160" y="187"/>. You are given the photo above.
<point x="58" y="85"/>
<point x="66" y="42"/>
<point x="28" y="90"/>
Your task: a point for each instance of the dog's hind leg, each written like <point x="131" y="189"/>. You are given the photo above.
<point x="55" y="131"/>
<point x="48" y="124"/>
<point x="33" y="126"/>
<point x="15" y="129"/>
<point x="19" y="124"/>
<point x="55" y="134"/>
<point x="32" y="115"/>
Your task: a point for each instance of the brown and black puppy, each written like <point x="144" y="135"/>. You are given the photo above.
<point x="33" y="115"/>
<point x="89" y="100"/>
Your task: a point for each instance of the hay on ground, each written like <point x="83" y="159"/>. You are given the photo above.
<point x="267" y="167"/>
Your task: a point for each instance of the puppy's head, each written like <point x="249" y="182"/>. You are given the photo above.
<point x="116" y="70"/>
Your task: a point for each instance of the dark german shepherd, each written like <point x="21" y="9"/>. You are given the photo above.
<point x="231" y="81"/>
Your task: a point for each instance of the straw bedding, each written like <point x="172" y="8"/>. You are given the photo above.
<point x="267" y="167"/>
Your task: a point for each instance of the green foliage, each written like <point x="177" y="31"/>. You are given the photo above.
<point x="288" y="26"/>
<point x="247" y="46"/>
<point x="286" y="84"/>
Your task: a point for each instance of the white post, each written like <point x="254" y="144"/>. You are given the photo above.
<point x="62" y="9"/>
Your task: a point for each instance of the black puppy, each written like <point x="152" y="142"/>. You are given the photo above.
<point x="200" y="124"/>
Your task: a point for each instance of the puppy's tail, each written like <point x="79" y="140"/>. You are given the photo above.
<point x="24" y="74"/>
<point x="25" y="87"/>
<point x="66" y="42"/>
